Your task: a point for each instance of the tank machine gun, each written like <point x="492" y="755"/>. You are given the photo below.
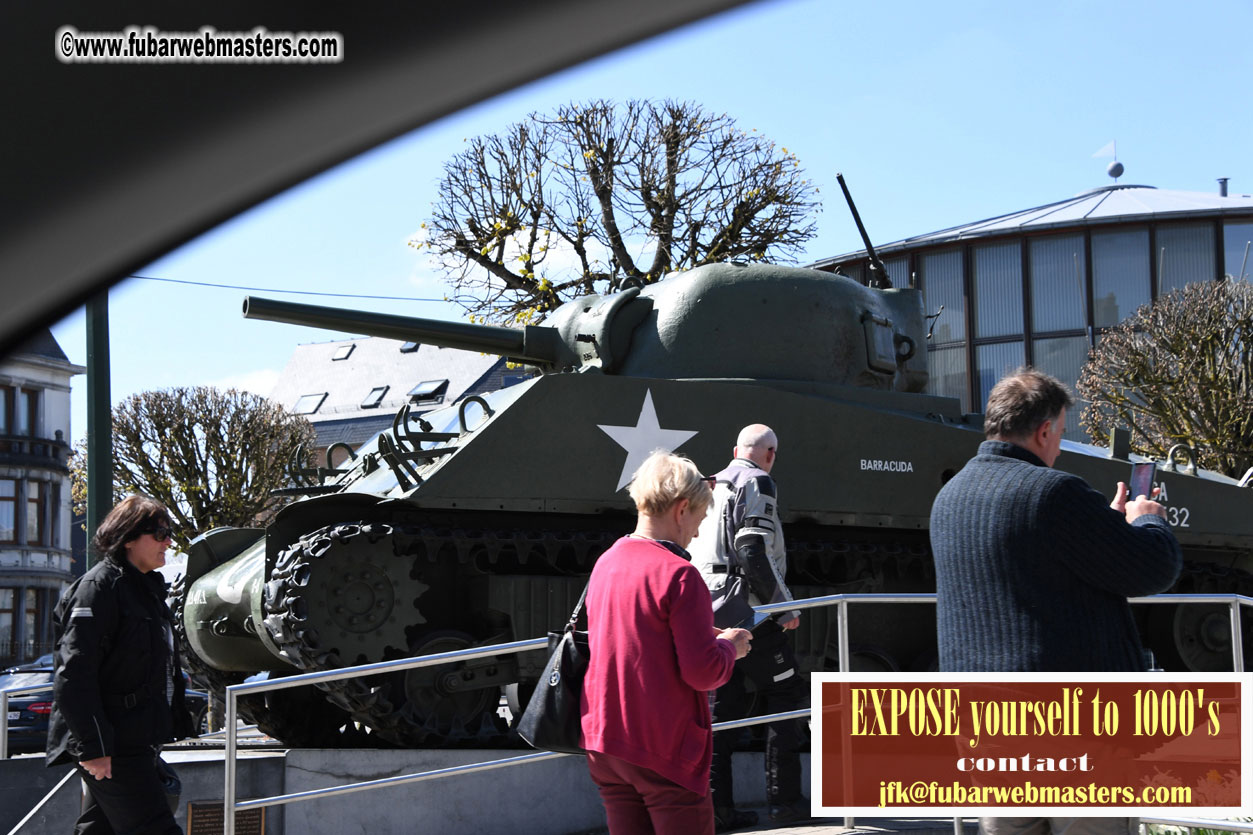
<point x="477" y="523"/>
<point x="878" y="273"/>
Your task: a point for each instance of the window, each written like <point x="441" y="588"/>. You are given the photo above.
<point x="410" y="347"/>
<point x="853" y="271"/>
<point x="947" y="370"/>
<point x="374" y="398"/>
<point x="428" y="392"/>
<point x="6" y="409"/>
<point x="1185" y="255"/>
<point x="898" y="271"/>
<point x="1238" y="249"/>
<point x="942" y="285"/>
<point x="8" y="510"/>
<point x="26" y="412"/>
<point x="308" y="404"/>
<point x="36" y="494"/>
<point x="993" y="362"/>
<point x="343" y="352"/>
<point x="998" y="290"/>
<point x="8" y="602"/>
<point x="1120" y="274"/>
<point x="1063" y="357"/>
<point x="1058" y="284"/>
<point x="33" y="618"/>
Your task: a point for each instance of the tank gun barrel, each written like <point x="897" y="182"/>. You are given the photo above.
<point x="534" y="343"/>
<point x="878" y="272"/>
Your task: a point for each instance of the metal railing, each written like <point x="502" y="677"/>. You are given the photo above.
<point x="841" y="601"/>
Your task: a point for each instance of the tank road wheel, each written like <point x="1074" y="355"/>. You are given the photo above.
<point x="1196" y="636"/>
<point x="517" y="697"/>
<point x="442" y="701"/>
<point x="1203" y="637"/>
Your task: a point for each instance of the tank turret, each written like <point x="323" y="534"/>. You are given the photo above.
<point x="690" y="325"/>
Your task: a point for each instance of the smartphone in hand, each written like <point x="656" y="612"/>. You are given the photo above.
<point x="1141" y="483"/>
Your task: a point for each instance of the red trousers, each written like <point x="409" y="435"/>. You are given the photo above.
<point x="639" y="801"/>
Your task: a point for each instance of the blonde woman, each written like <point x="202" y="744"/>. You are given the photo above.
<point x="655" y="654"/>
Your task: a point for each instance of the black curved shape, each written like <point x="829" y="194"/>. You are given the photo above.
<point x="109" y="166"/>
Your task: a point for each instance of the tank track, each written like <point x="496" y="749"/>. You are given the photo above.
<point x="844" y="562"/>
<point x="822" y="560"/>
<point x="330" y="570"/>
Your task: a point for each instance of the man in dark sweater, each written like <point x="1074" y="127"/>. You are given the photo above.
<point x="1034" y="567"/>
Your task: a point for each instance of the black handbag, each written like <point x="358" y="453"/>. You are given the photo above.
<point x="731" y="606"/>
<point x="551" y="721"/>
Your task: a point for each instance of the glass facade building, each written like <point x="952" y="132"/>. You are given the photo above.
<point x="1041" y="285"/>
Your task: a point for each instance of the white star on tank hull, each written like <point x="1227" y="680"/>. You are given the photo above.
<point x="644" y="438"/>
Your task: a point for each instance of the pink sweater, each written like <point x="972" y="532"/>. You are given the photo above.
<point x="653" y="659"/>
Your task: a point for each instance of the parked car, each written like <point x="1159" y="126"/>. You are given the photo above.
<point x="28" y="714"/>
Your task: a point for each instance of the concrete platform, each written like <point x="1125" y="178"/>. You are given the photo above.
<point x="35" y="800"/>
<point x="864" y="826"/>
<point x="553" y="797"/>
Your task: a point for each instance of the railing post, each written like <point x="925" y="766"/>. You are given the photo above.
<point x="841" y="637"/>
<point x="228" y="792"/>
<point x="4" y="712"/>
<point x="1237" y="639"/>
<point x="841" y="621"/>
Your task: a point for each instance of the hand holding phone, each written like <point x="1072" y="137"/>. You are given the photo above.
<point x="1141" y="482"/>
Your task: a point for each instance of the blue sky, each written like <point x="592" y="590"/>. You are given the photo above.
<point x="937" y="114"/>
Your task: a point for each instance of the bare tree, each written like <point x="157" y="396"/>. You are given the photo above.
<point x="597" y="194"/>
<point x="1179" y="371"/>
<point x="212" y="457"/>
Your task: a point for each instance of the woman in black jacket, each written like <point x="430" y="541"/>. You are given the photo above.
<point x="118" y="689"/>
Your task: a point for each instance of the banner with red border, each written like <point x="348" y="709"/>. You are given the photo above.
<point x="1048" y="744"/>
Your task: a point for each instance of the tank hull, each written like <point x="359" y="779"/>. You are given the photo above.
<point x="459" y="558"/>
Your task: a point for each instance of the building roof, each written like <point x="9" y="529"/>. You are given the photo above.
<point x="1109" y="204"/>
<point x="42" y="344"/>
<point x="375" y="371"/>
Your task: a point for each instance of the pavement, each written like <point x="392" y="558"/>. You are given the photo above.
<point x="862" y="826"/>
<point x="870" y="826"/>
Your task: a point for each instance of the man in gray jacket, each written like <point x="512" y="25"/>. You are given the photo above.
<point x="742" y="535"/>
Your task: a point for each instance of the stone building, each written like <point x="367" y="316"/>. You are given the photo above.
<point x="35" y="509"/>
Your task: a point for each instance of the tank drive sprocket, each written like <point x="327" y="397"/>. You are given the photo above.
<point x="348" y="594"/>
<point x="297" y="716"/>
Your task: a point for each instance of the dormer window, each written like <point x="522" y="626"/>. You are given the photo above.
<point x="375" y="397"/>
<point x="343" y="352"/>
<point x="308" y="403"/>
<point x="410" y="347"/>
<point x="428" y="392"/>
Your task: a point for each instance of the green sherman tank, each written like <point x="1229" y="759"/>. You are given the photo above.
<point x="478" y="523"/>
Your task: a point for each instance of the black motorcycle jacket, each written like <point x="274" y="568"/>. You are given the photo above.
<point x="116" y="663"/>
